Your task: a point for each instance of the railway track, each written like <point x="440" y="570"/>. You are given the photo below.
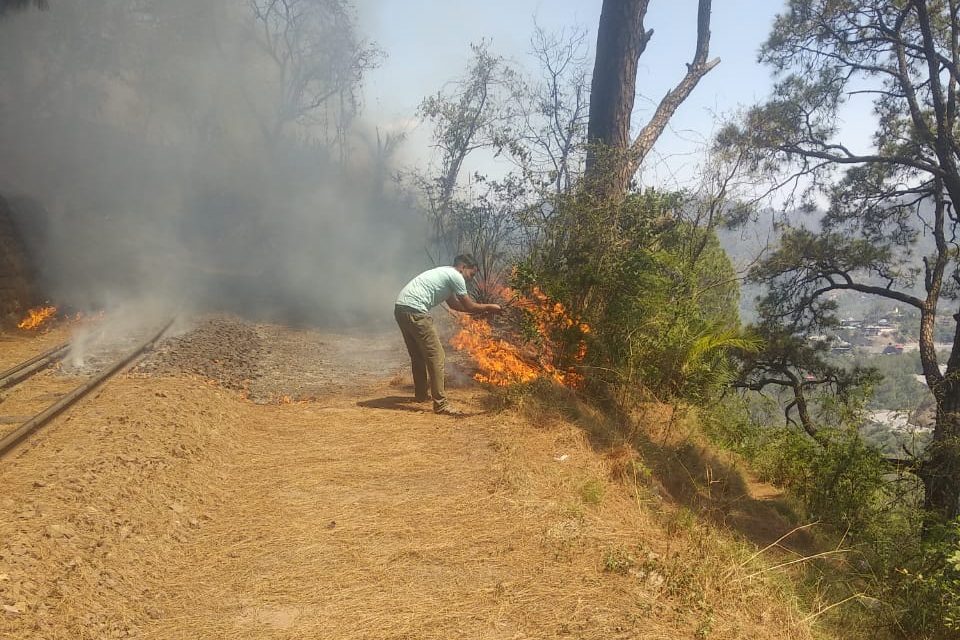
<point x="25" y="425"/>
<point x="27" y="368"/>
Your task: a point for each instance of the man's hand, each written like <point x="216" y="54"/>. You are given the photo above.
<point x="466" y="304"/>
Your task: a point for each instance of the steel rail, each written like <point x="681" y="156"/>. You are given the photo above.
<point x="27" y="368"/>
<point x="11" y="440"/>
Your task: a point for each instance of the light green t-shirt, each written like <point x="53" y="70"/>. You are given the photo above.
<point x="431" y="288"/>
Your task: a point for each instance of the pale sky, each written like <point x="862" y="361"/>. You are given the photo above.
<point x="427" y="44"/>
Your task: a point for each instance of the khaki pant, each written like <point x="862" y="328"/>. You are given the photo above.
<point x="426" y="354"/>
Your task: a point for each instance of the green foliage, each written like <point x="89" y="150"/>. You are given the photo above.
<point x="659" y="294"/>
<point x="912" y="576"/>
<point x="838" y="478"/>
<point x="845" y="481"/>
<point x="890" y="222"/>
<point x="592" y="492"/>
<point x="897" y="388"/>
<point x="799" y="272"/>
<point x="928" y="587"/>
<point x="618" y="560"/>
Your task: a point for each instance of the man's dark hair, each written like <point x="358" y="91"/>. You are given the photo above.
<point x="465" y="260"/>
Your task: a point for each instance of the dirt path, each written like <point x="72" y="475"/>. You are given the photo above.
<point x="170" y="507"/>
<point x="354" y="522"/>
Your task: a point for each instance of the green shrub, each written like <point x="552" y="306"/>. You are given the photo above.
<point x="660" y="295"/>
<point x="926" y="588"/>
<point x="591" y="492"/>
<point x="618" y="560"/>
<point x="912" y="575"/>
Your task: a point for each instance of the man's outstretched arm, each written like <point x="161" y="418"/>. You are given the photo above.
<point x="466" y="304"/>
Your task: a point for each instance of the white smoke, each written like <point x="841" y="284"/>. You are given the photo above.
<point x="146" y="135"/>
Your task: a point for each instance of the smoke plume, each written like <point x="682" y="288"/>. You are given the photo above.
<point x="196" y="152"/>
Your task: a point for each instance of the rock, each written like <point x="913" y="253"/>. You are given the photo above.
<point x="655" y="580"/>
<point x="57" y="531"/>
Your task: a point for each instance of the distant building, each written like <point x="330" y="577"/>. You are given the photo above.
<point x="896" y="421"/>
<point x="893" y="420"/>
<point x="841" y="347"/>
<point x="877" y="330"/>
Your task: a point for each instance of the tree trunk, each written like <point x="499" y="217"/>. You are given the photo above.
<point x="621" y="40"/>
<point x="612" y="158"/>
<point x="941" y="471"/>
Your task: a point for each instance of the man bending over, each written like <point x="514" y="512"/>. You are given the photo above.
<point x="426" y="291"/>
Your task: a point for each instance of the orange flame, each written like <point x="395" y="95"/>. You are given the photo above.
<point x="500" y="362"/>
<point x="37" y="317"/>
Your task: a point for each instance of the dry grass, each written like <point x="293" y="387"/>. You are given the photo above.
<point x="192" y="514"/>
<point x="93" y="506"/>
<point x="17" y="346"/>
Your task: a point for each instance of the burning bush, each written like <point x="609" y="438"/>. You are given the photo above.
<point x="37" y="317"/>
<point x="532" y="340"/>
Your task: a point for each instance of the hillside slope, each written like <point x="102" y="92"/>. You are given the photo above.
<point x="168" y="507"/>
